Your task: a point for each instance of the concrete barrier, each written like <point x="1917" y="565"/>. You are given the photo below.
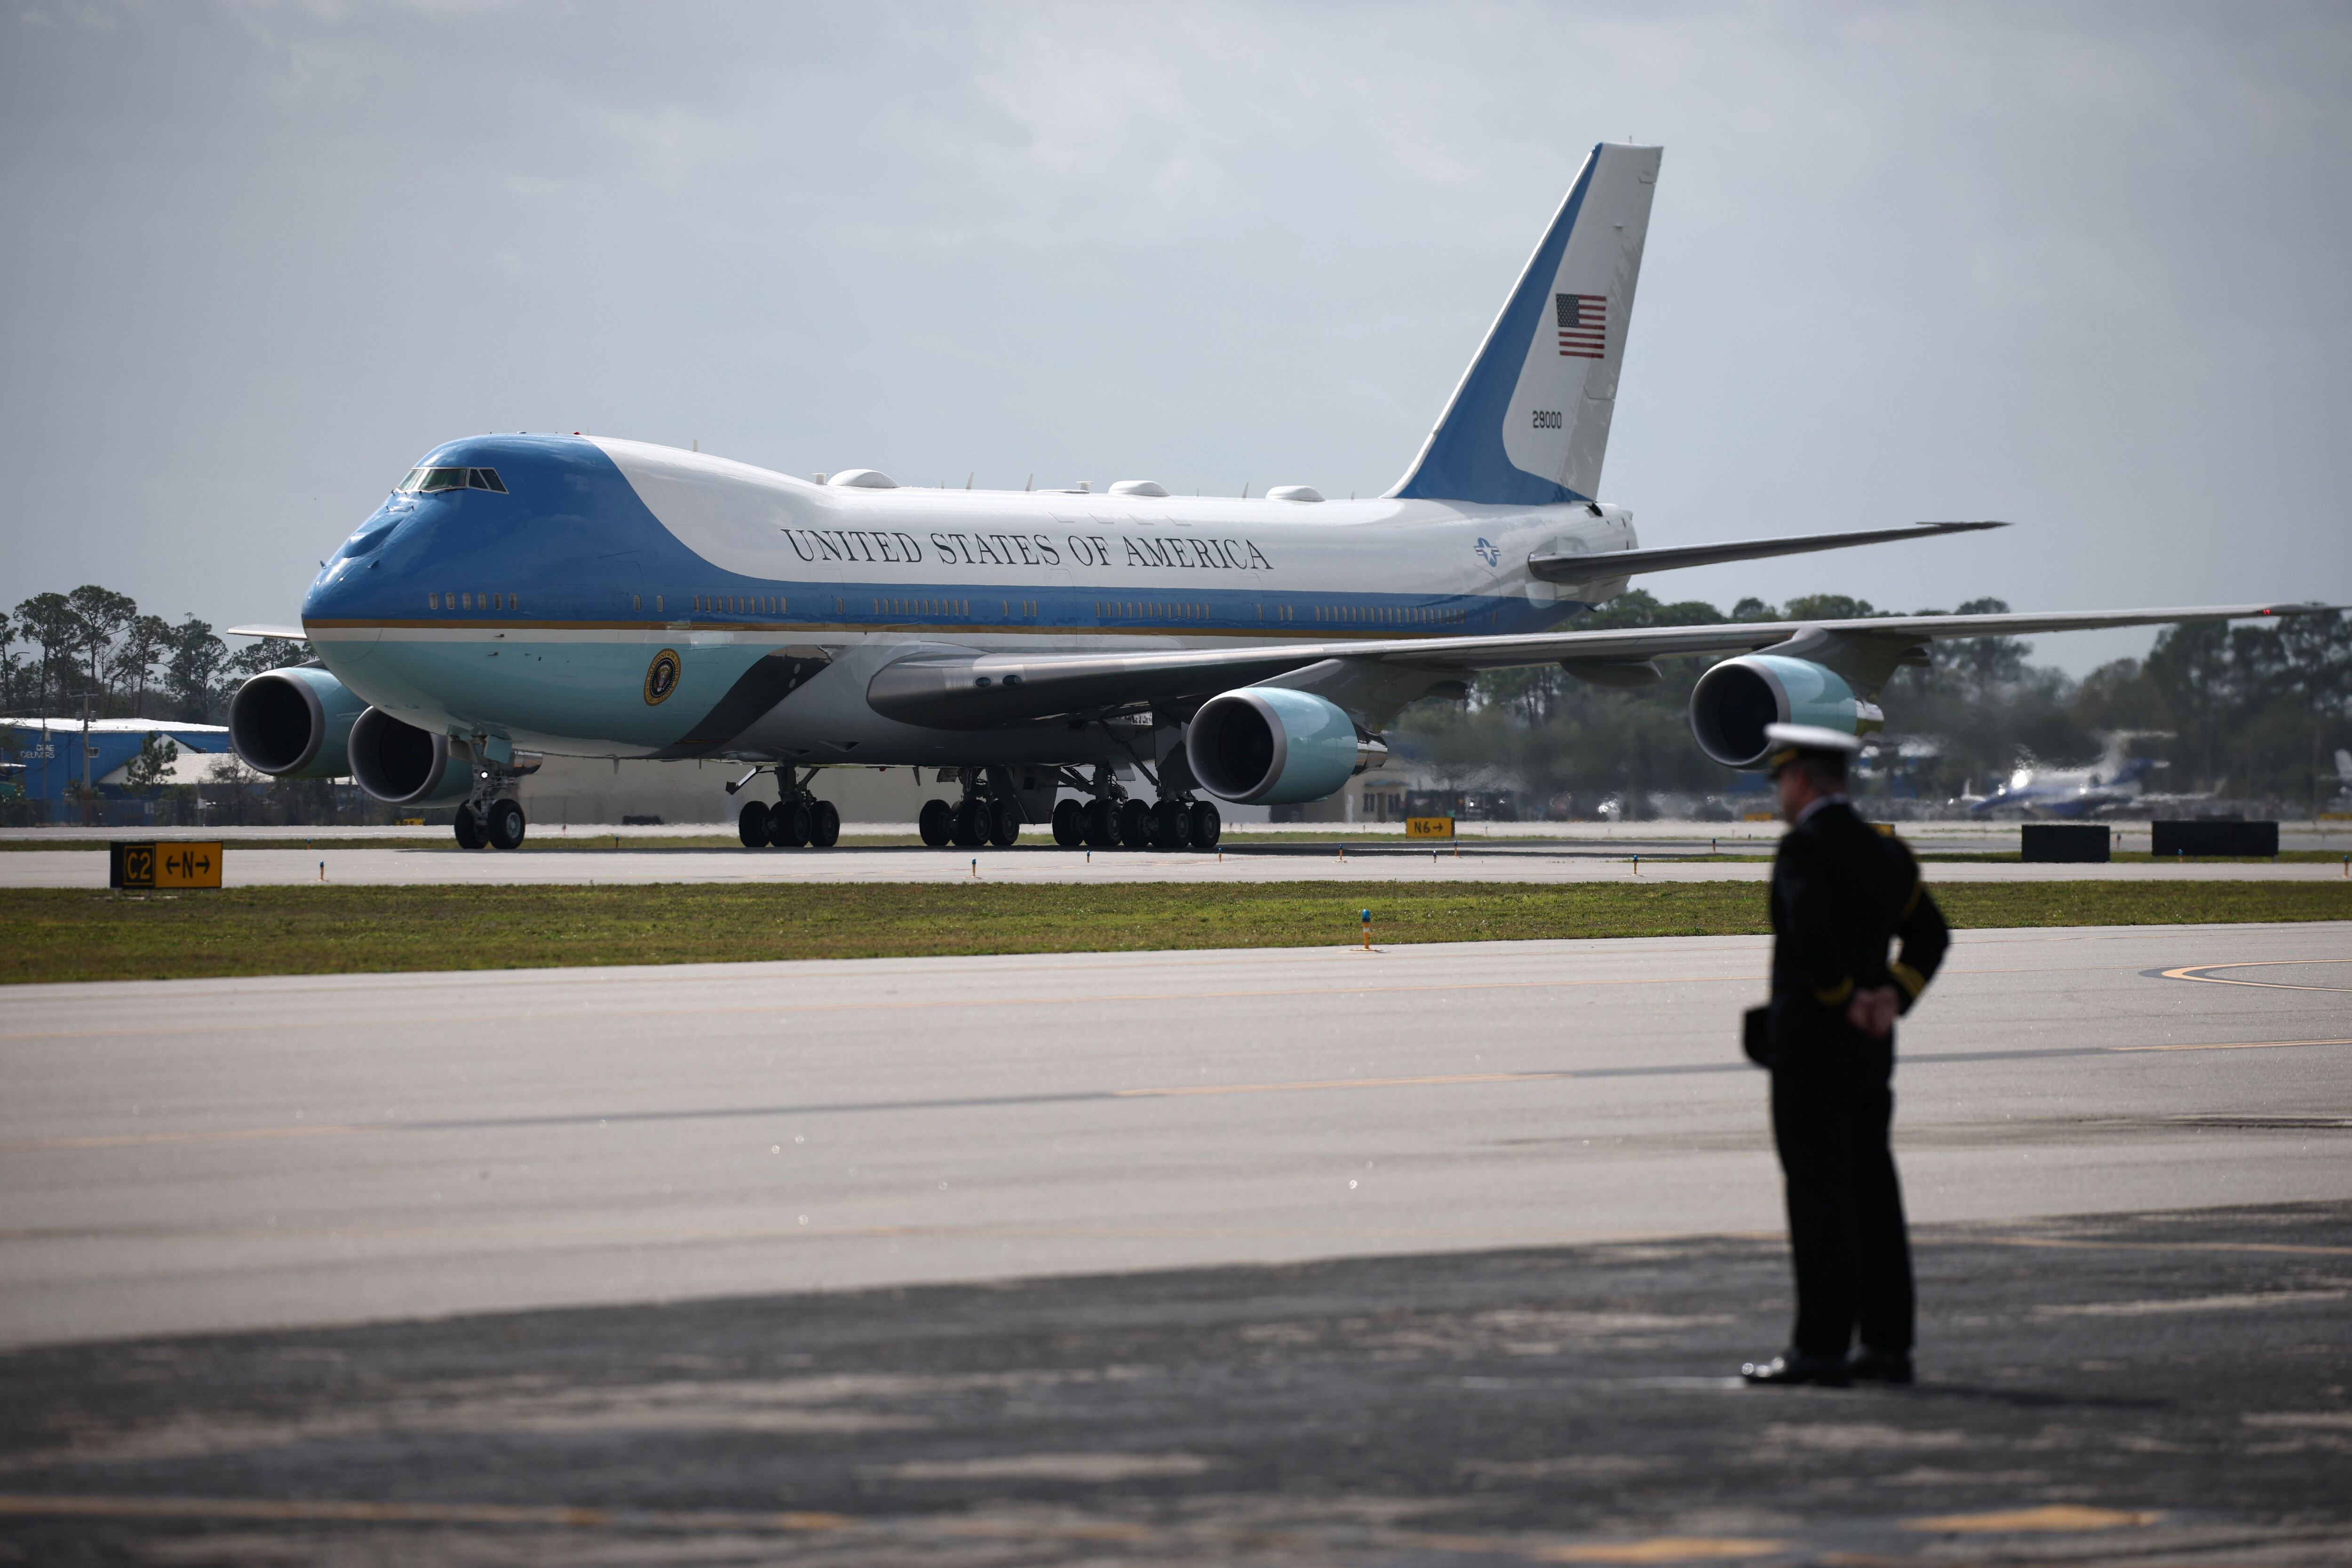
<point x="2213" y="838"/>
<point x="2066" y="841"/>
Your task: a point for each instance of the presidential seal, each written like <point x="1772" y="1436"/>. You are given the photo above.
<point x="661" y="677"/>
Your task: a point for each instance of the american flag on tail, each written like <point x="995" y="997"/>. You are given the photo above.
<point x="1583" y="325"/>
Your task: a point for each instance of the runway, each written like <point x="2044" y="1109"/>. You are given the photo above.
<point x="195" y="1155"/>
<point x="636" y="861"/>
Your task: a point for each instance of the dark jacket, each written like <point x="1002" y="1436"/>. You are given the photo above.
<point x="1841" y="892"/>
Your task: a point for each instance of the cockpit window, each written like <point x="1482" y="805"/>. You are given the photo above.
<point x="425" y="479"/>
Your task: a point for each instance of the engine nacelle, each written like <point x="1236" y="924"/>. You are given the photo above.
<point x="403" y="765"/>
<point x="293" y="724"/>
<point x="1733" y="702"/>
<point x="1268" y="745"/>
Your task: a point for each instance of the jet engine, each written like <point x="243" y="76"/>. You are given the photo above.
<point x="293" y="724"/>
<point x="1733" y="702"/>
<point x="1268" y="745"/>
<point x="403" y="765"/>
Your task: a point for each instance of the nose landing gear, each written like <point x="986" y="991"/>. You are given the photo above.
<point x="491" y="817"/>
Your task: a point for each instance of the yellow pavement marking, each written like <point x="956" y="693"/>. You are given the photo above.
<point x="2049" y="1517"/>
<point x="2197" y="972"/>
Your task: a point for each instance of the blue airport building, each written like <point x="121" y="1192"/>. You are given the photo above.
<point x="41" y="762"/>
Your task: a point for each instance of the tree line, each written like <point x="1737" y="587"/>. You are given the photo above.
<point x="91" y="650"/>
<point x="2251" y="710"/>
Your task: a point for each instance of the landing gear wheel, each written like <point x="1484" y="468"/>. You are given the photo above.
<point x="824" y="824"/>
<point x="936" y="824"/>
<point x="1168" y="825"/>
<point x="1003" y="824"/>
<point x="789" y="824"/>
<point x="506" y="824"/>
<point x="1102" y="823"/>
<point x="752" y="826"/>
<point x="1070" y="824"/>
<point x="1204" y="825"/>
<point x="971" y="822"/>
<point x="1135" y="825"/>
<point x="470" y="828"/>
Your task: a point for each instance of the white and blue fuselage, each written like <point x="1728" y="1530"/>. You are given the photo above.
<point x="612" y="599"/>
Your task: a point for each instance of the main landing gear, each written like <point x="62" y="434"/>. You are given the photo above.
<point x="1110" y="820"/>
<point x="796" y="819"/>
<point x="971" y="822"/>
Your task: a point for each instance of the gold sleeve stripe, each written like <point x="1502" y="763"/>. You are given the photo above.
<point x="1910" y="978"/>
<point x="1833" y="995"/>
<point x="1918" y="888"/>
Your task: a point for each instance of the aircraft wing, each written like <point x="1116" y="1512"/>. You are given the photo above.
<point x="1606" y="565"/>
<point x="983" y="692"/>
<point x="290" y="634"/>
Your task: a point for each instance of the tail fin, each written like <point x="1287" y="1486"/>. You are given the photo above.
<point x="1530" y="421"/>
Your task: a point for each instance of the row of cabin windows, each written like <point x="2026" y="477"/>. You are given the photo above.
<point x="638" y="601"/>
<point x="736" y="604"/>
<point x="1363" y="614"/>
<point x="471" y="602"/>
<point x="420" y="480"/>
<point x="1386" y="616"/>
<point x="922" y="607"/>
<point x="1131" y="610"/>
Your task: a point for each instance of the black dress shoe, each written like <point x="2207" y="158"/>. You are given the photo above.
<point x="1880" y="1366"/>
<point x="1791" y="1368"/>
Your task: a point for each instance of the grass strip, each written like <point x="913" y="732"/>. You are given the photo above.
<point x="58" y="934"/>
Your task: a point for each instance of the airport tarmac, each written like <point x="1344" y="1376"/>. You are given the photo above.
<point x="211" y="1154"/>
<point x="1430" y="1257"/>
<point x="637" y="861"/>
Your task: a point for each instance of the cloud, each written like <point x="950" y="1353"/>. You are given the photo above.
<point x="2074" y="265"/>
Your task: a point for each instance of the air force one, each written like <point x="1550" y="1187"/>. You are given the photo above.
<point x="519" y="596"/>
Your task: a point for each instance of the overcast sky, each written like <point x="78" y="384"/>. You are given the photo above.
<point x="2080" y="266"/>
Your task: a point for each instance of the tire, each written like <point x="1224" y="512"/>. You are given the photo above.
<point x="1135" y="825"/>
<point x="1070" y="824"/>
<point x="506" y="824"/>
<point x="1102" y="823"/>
<point x="468" y="827"/>
<point x="1004" y="824"/>
<point x="936" y="824"/>
<point x="971" y="822"/>
<point x="752" y="826"/>
<point x="789" y="824"/>
<point x="1204" y="825"/>
<point x="824" y="824"/>
<point x="1168" y="825"/>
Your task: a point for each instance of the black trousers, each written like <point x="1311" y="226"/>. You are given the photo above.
<point x="1832" y="1099"/>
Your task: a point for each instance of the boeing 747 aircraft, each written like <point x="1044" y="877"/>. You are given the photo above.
<point x="1114" y="664"/>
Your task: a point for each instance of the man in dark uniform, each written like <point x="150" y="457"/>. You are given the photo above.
<point x="1840" y="891"/>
